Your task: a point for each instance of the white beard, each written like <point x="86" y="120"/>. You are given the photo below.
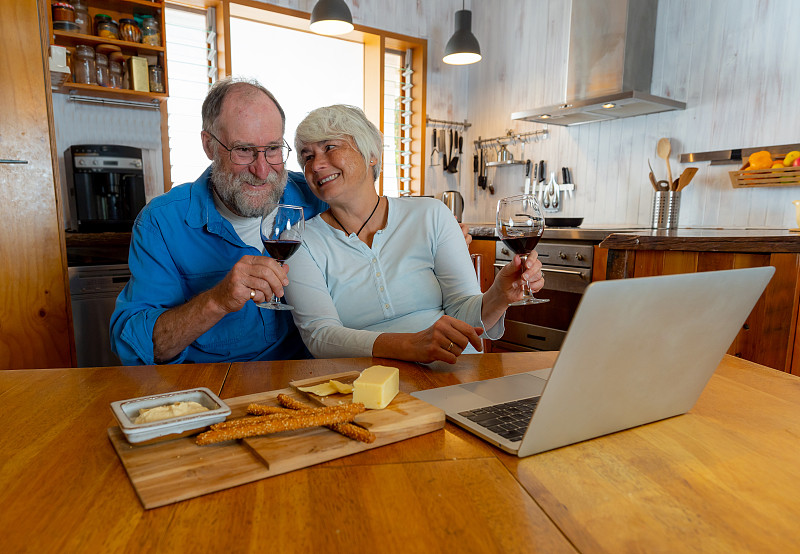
<point x="238" y="199"/>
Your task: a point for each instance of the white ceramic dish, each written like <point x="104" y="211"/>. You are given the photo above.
<point x="126" y="411"/>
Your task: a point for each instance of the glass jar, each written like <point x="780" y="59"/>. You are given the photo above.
<point x="151" y="34"/>
<point x="156" y="74"/>
<point x="114" y="75"/>
<point x="129" y="30"/>
<point x="105" y="27"/>
<point x="63" y="12"/>
<point x="83" y="65"/>
<point x="101" y="63"/>
<point x="82" y="18"/>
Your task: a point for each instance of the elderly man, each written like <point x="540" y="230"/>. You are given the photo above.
<point x="195" y="255"/>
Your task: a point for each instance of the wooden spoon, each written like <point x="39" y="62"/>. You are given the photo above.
<point x="686" y="177"/>
<point x="664" y="149"/>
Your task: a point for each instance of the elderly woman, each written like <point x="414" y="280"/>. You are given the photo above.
<point x="385" y="277"/>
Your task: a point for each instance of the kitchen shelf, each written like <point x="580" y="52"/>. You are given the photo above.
<point x="67" y="38"/>
<point x="117" y="9"/>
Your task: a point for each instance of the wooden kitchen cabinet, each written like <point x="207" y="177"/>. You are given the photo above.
<point x="35" y="317"/>
<point x="117" y="9"/>
<point x="770" y="334"/>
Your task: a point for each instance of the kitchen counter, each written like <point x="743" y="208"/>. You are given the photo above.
<point x="627" y="237"/>
<point x="719" y="478"/>
<point x="594" y="233"/>
<point x="706" y="240"/>
<point x="97" y="248"/>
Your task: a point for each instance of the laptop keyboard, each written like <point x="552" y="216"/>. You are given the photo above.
<point x="509" y="420"/>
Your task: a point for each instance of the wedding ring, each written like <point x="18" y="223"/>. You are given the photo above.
<point x="451" y="346"/>
<point x="252" y="293"/>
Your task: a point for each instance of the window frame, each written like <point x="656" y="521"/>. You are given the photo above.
<point x="375" y="42"/>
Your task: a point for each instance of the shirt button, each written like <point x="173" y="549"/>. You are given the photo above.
<point x="381" y="289"/>
<point x="386" y="306"/>
<point x="374" y="260"/>
<point x="378" y="274"/>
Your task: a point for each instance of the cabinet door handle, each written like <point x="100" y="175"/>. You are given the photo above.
<point x="2" y="161"/>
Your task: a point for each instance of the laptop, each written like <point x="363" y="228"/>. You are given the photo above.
<point x="637" y="351"/>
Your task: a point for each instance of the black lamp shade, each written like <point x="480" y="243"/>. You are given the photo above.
<point x="463" y="47"/>
<point x="331" y="17"/>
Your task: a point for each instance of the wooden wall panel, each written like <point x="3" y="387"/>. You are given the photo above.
<point x="35" y="324"/>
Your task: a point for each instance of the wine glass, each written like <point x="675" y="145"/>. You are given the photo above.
<point x="281" y="233"/>
<point x="520" y="225"/>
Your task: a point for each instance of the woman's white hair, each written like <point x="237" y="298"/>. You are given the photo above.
<point x="341" y="122"/>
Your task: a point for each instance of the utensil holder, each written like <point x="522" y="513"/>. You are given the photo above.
<point x="666" y="208"/>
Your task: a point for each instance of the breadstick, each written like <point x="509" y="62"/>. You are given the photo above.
<point x="349" y="430"/>
<point x="273" y="412"/>
<point x="275" y="425"/>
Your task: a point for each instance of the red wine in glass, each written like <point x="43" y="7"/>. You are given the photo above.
<point x="281" y="250"/>
<point x="281" y="233"/>
<point x="520" y="225"/>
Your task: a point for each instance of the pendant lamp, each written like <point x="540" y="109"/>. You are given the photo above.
<point x="331" y="17"/>
<point x="463" y="47"/>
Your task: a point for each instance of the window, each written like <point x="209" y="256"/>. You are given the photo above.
<point x="377" y="71"/>
<point x="298" y="75"/>
<point x="191" y="66"/>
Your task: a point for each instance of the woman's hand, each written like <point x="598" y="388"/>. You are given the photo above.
<point x="507" y="287"/>
<point x="510" y="280"/>
<point x="445" y="340"/>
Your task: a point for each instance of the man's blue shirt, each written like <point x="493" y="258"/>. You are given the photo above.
<point x="182" y="246"/>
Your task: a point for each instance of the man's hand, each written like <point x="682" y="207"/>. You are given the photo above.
<point x="254" y="278"/>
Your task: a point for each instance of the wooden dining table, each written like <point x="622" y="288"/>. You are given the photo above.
<point x="725" y="477"/>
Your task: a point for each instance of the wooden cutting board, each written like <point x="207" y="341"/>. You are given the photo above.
<point x="178" y="469"/>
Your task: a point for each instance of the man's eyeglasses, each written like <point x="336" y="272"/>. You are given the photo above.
<point x="275" y="154"/>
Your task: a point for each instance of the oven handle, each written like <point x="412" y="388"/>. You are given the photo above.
<point x="562" y="271"/>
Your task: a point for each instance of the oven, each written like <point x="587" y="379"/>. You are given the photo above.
<point x="567" y="269"/>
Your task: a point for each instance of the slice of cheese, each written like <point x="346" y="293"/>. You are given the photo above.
<point x="377" y="386"/>
<point x="342" y="388"/>
<point x="331" y="387"/>
<point x="323" y="389"/>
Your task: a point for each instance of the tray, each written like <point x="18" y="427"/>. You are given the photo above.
<point x="178" y="469"/>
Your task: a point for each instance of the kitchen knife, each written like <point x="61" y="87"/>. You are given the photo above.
<point x="541" y="181"/>
<point x="527" y="189"/>
<point x="444" y="149"/>
<point x="475" y="169"/>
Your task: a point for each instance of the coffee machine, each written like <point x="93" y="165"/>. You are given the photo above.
<point x="106" y="186"/>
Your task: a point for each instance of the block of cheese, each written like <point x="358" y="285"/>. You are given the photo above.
<point x="377" y="386"/>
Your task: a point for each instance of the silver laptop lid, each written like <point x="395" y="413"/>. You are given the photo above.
<point x="640" y="350"/>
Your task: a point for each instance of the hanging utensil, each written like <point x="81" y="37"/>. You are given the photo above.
<point x="482" y="171"/>
<point x="475" y="170"/>
<point x="452" y="167"/>
<point x="541" y="181"/>
<point x="435" y="149"/>
<point x="443" y="144"/>
<point x="664" y="148"/>
<point x="527" y="189"/>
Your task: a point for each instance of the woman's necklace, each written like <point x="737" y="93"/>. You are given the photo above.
<point x="365" y="222"/>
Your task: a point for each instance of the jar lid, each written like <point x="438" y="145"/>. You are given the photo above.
<point x="63" y="5"/>
<point x="146" y="16"/>
<point x="102" y="16"/>
<point x="101" y="58"/>
<point x="85" y="48"/>
<point x="125" y="21"/>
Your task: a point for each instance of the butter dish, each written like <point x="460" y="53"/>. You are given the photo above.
<point x="126" y="411"/>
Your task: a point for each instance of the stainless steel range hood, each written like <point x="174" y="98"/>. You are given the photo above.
<point x="610" y="65"/>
